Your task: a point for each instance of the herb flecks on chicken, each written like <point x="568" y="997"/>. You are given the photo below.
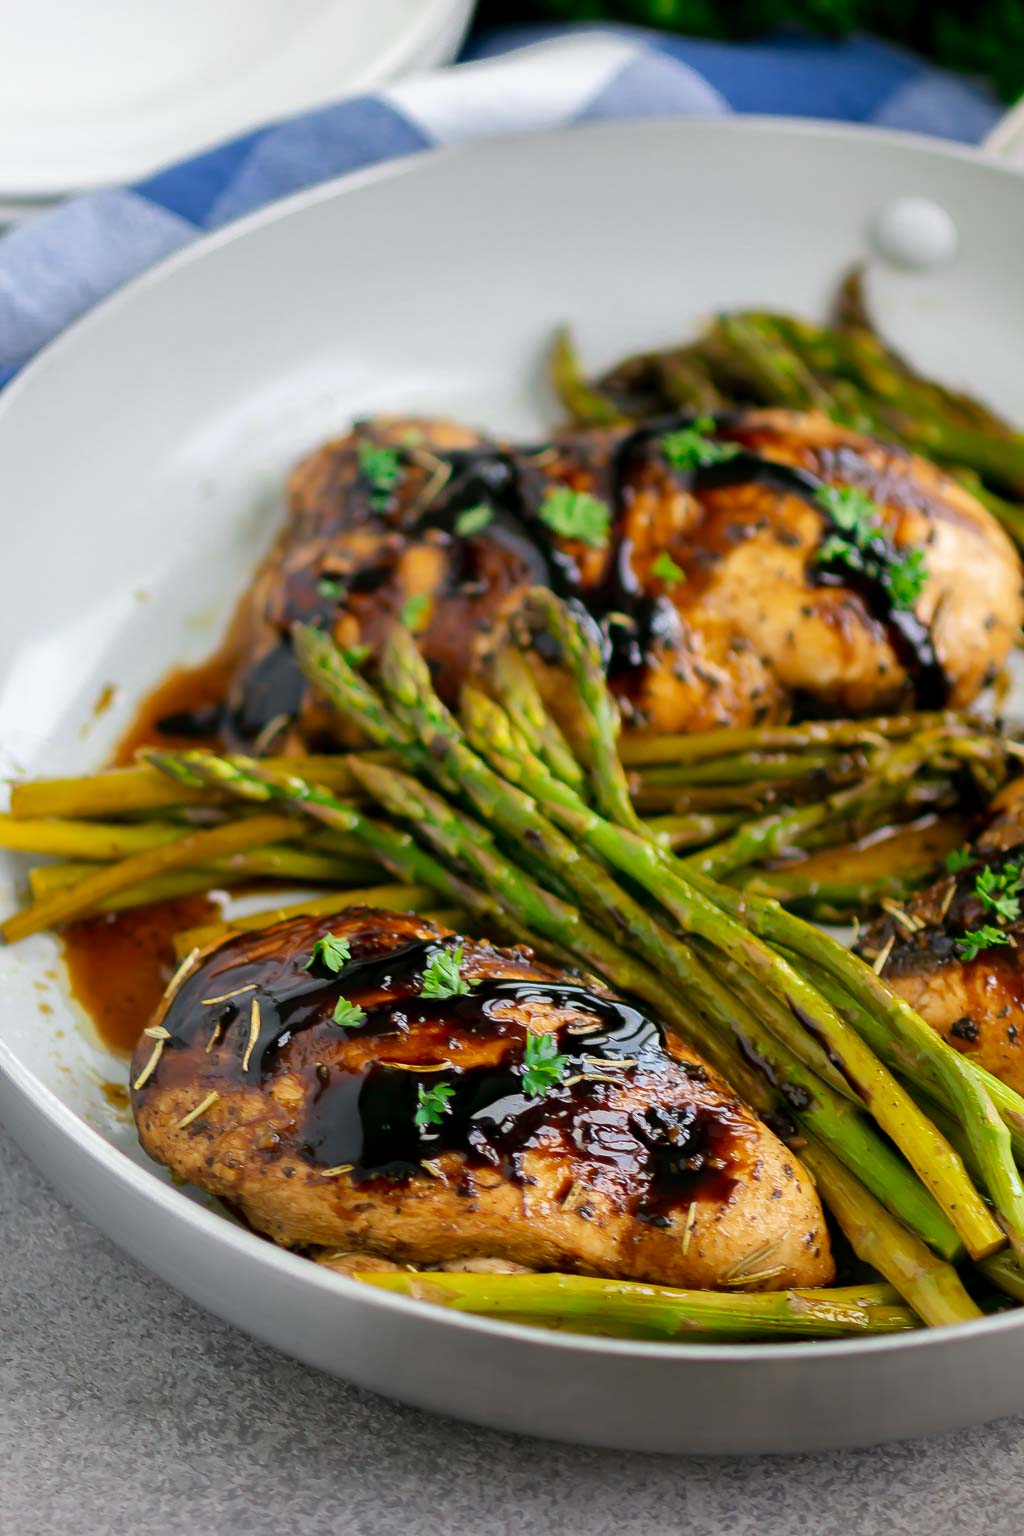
<point x="736" y="568"/>
<point x="530" y="1118"/>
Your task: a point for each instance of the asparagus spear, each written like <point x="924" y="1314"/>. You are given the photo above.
<point x="661" y="1310"/>
<point x="575" y="636"/>
<point x="585" y="403"/>
<point x="640" y="751"/>
<point x="884" y="784"/>
<point x="932" y="1287"/>
<point x="515" y="687"/>
<point x="195" y="848"/>
<point x="119" y="791"/>
<point x="927" y="1069"/>
<point x="253" y="779"/>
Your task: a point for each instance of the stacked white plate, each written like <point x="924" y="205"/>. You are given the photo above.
<point x="97" y="92"/>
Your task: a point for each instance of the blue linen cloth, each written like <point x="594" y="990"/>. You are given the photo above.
<point x="56" y="266"/>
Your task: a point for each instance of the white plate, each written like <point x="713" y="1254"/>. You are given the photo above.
<point x="94" y="92"/>
<point x="141" y="460"/>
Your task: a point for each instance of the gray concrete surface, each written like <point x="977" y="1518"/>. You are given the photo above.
<point x="126" y="1410"/>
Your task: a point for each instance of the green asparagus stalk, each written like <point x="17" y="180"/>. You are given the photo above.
<point x="662" y="1311"/>
<point x="926" y="1067"/>
<point x="932" y="1287"/>
<point x="515" y="688"/>
<point x="254" y="780"/>
<point x="729" y="741"/>
<point x="124" y="791"/>
<point x="884" y="785"/>
<point x="598" y="714"/>
<point x="195" y="848"/>
<point x="585" y="403"/>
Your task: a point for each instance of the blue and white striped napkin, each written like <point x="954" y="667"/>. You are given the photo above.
<point x="55" y="267"/>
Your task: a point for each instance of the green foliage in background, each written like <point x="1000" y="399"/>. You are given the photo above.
<point x="984" y="37"/>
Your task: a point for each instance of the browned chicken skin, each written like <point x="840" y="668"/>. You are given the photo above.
<point x="637" y="1162"/>
<point x="976" y="1005"/>
<point x="752" y="625"/>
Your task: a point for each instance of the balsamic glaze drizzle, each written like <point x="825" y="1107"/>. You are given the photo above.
<point x="631" y="622"/>
<point x="364" y="1114"/>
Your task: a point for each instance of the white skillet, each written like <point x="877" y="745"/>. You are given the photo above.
<point x="100" y="92"/>
<point x="141" y="460"/>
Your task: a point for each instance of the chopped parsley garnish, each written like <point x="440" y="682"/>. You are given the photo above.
<point x="355" y="655"/>
<point x="692" y="447"/>
<point x="907" y="578"/>
<point x="957" y="860"/>
<point x="861" y="544"/>
<point x="414" y="611"/>
<point x="331" y="952"/>
<point x="971" y="944"/>
<point x="999" y="889"/>
<point x="443" y="976"/>
<point x="543" y="1066"/>
<point x="473" y="520"/>
<point x="348" y="1015"/>
<point x="851" y="510"/>
<point x="432" y="1103"/>
<point x="576" y="515"/>
<point x="382" y="467"/>
<point x="329" y="586"/>
<point x="667" y="571"/>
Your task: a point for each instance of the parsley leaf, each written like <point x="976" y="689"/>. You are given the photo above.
<point x="667" y="571"/>
<point x="852" y="510"/>
<point x="862" y="545"/>
<point x="443" y="977"/>
<point x="473" y="520"/>
<point x="414" y="611"/>
<point x="355" y="655"/>
<point x="432" y="1104"/>
<point x="348" y="1015"/>
<point x="543" y="1066"/>
<point x="576" y="515"/>
<point x="329" y="586"/>
<point x="907" y="578"/>
<point x="957" y="860"/>
<point x="692" y="448"/>
<point x="331" y="951"/>
<point x="999" y="890"/>
<point x="382" y="467"/>
<point x="973" y="942"/>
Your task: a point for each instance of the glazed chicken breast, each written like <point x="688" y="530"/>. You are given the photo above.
<point x="704" y="570"/>
<point x="431" y="1100"/>
<point x="976" y="1004"/>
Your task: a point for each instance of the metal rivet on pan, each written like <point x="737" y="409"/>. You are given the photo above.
<point x="916" y="233"/>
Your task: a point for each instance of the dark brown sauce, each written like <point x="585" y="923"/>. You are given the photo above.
<point x="361" y="1110"/>
<point x="186" y="697"/>
<point x="119" y="964"/>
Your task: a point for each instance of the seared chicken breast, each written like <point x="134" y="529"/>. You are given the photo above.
<point x="976" y="1004"/>
<point x="436" y="1101"/>
<point x="705" y="574"/>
